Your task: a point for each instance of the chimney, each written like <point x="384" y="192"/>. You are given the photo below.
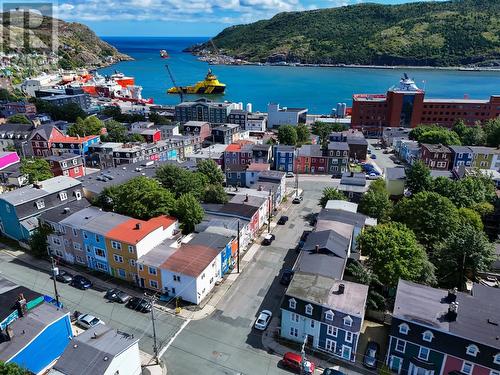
<point x="316" y="249"/>
<point x="452" y="312"/>
<point x="21" y="305"/>
<point x="246" y="198"/>
<point x="341" y="288"/>
<point x="138" y="226"/>
<point x="66" y="210"/>
<point x="452" y="295"/>
<point x="37" y="184"/>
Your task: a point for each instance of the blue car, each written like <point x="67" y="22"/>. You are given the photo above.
<point x="80" y="282"/>
<point x="373" y="156"/>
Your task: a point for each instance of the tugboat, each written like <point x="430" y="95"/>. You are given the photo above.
<point x="164" y="54"/>
<point x="210" y="85"/>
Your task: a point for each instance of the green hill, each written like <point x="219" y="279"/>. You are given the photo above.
<point x="451" y="33"/>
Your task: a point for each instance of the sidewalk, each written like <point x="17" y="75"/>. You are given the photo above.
<point x="149" y="367"/>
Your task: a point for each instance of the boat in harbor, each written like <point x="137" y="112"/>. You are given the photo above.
<point x="210" y="85"/>
<point x="164" y="54"/>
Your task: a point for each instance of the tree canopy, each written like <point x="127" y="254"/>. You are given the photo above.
<point x="303" y="134"/>
<point x="180" y="181"/>
<point x="418" y="178"/>
<point x="12" y="368"/>
<point x="287" y="135"/>
<point x="330" y="193"/>
<point x="36" y="169"/>
<point x="376" y="202"/>
<point x="492" y="130"/>
<point x="211" y="170"/>
<point x="19" y="119"/>
<point x="324" y="129"/>
<point x="189" y="212"/>
<point x="90" y="126"/>
<point x="215" y="194"/>
<point x="470" y="135"/>
<point x="434" y="134"/>
<point x="394" y="253"/>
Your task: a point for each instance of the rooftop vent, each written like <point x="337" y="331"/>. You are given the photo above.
<point x="138" y="226"/>
<point x="452" y="311"/>
<point x="493" y="322"/>
<point x="341" y="288"/>
<point x="452" y="295"/>
<point x="66" y="210"/>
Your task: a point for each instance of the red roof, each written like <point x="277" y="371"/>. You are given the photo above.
<point x="133" y="230"/>
<point x="190" y="260"/>
<point x="233" y="147"/>
<point x="68" y="139"/>
<point x="259" y="167"/>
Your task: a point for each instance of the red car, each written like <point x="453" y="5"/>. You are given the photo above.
<point x="293" y="362"/>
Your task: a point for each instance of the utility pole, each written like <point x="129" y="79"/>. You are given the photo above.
<point x="152" y="300"/>
<point x="296" y="175"/>
<point x="55" y="272"/>
<point x="270" y="208"/>
<point x="238" y="260"/>
<point x="303" y="356"/>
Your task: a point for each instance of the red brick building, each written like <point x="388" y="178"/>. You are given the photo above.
<point x="436" y="156"/>
<point x="406" y="106"/>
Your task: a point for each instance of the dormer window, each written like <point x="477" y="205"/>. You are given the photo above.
<point x="329" y="315"/>
<point x="427" y="336"/>
<point x="472" y="350"/>
<point x="348" y="321"/>
<point x="292" y="303"/>
<point x="309" y="309"/>
<point x="404" y="328"/>
<point x="40" y="204"/>
<point x="63" y="195"/>
<point x="496" y="359"/>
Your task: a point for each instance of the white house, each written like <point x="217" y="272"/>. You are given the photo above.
<point x="277" y="116"/>
<point x="256" y="122"/>
<point x="100" y="350"/>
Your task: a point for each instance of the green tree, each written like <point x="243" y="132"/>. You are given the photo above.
<point x="141" y="198"/>
<point x="394" y="253"/>
<point x="287" y="135"/>
<point x="431" y="216"/>
<point x="158" y="119"/>
<point x="68" y="112"/>
<point x="38" y="241"/>
<point x="363" y="275"/>
<point x="492" y="130"/>
<point x="470" y="217"/>
<point x="134" y="137"/>
<point x="9" y="95"/>
<point x="112" y="111"/>
<point x="330" y="193"/>
<point x="417" y="132"/>
<point x="19" y="119"/>
<point x="215" y="194"/>
<point x="90" y="126"/>
<point x="418" y="178"/>
<point x="376" y="202"/>
<point x="180" y="181"/>
<point x="442" y="136"/>
<point x="470" y="135"/>
<point x="466" y="192"/>
<point x="189" y="212"/>
<point x="116" y="132"/>
<point x="323" y="130"/>
<point x="212" y="171"/>
<point x="303" y="134"/>
<point x="12" y="368"/>
<point x="36" y="169"/>
<point x="465" y="253"/>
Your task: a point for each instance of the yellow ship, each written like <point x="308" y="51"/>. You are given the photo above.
<point x="210" y="85"/>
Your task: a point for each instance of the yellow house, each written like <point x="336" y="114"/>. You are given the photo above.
<point x="130" y="240"/>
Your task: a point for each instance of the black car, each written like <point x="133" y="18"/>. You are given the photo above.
<point x="139" y="304"/>
<point x="286" y="277"/>
<point x="63" y="277"/>
<point x="332" y="371"/>
<point x="80" y="282"/>
<point x="371" y="355"/>
<point x="268" y="239"/>
<point x="282" y="220"/>
<point x="117" y="295"/>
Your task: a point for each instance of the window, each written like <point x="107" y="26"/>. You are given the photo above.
<point x="141" y="267"/>
<point x="427" y="336"/>
<point x="309" y="310"/>
<point x="348" y="321"/>
<point x="467" y="368"/>
<point x="294" y="317"/>
<point x="116" y="245"/>
<point x="330" y="345"/>
<point x="56" y="241"/>
<point x="292" y="303"/>
<point x="154" y="284"/>
<point x="331" y="331"/>
<point x="100" y="252"/>
<point x="423" y="353"/>
<point x="493" y="372"/>
<point x="79" y="259"/>
<point x="130" y="249"/>
<point x="63" y="195"/>
<point x="403" y="328"/>
<point x="400" y="345"/>
<point x="102" y="267"/>
<point x="177" y="278"/>
<point x="312" y="323"/>
<point x="329" y="315"/>
<point x="496" y="359"/>
<point x="118" y="258"/>
<point x="77" y="246"/>
<point x="152" y="270"/>
<point x="75" y="232"/>
<point x="85" y="235"/>
<point x="348" y="336"/>
<point x="40" y="204"/>
<point x="97" y="239"/>
<point x="132" y="262"/>
<point x="78" y="195"/>
<point x="294" y="332"/>
<point x="122" y="273"/>
<point x="472" y="350"/>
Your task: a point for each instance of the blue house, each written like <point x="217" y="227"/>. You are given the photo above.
<point x="461" y="156"/>
<point x="20" y="208"/>
<point x="284" y="157"/>
<point x="220" y="242"/>
<point x="34" y="332"/>
<point x="324" y="312"/>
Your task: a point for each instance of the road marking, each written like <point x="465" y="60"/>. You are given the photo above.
<point x="170" y="342"/>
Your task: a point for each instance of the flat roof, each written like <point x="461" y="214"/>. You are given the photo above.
<point x="190" y="259"/>
<point x="456" y="101"/>
<point x="158" y="255"/>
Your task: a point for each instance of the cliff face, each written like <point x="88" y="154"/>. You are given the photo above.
<point x="78" y="45"/>
<point x="451" y="33"/>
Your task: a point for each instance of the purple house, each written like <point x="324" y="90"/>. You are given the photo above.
<point x="7" y="158"/>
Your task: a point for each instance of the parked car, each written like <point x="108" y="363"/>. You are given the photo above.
<point x="297" y="199"/>
<point x="87" y="321"/>
<point x="373" y="176"/>
<point x="268" y="239"/>
<point x="371" y="355"/>
<point x="263" y="320"/>
<point x="397" y="161"/>
<point x="286" y="277"/>
<point x="289" y="174"/>
<point x="80" y="282"/>
<point x="368" y="151"/>
<point x="139" y="304"/>
<point x="63" y="277"/>
<point x="373" y="156"/>
<point x="332" y="371"/>
<point x="293" y="361"/>
<point x="117" y="295"/>
<point x="282" y="220"/>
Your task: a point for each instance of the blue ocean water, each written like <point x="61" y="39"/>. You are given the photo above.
<point x="318" y="89"/>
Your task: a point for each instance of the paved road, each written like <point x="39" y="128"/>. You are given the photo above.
<point x="383" y="160"/>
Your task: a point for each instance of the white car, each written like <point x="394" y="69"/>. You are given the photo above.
<point x="87" y="321"/>
<point x="263" y="320"/>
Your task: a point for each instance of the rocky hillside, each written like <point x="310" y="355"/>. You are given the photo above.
<point x="78" y="45"/>
<point x="450" y="33"/>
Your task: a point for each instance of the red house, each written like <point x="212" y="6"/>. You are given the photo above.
<point x="436" y="156"/>
<point x="310" y="159"/>
<point x="67" y="164"/>
<point x="42" y="139"/>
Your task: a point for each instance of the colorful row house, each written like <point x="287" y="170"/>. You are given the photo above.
<point x="439" y="332"/>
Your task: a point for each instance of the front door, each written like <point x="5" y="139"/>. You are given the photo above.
<point x="310" y="340"/>
<point x="346" y="352"/>
<point x="141" y="282"/>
